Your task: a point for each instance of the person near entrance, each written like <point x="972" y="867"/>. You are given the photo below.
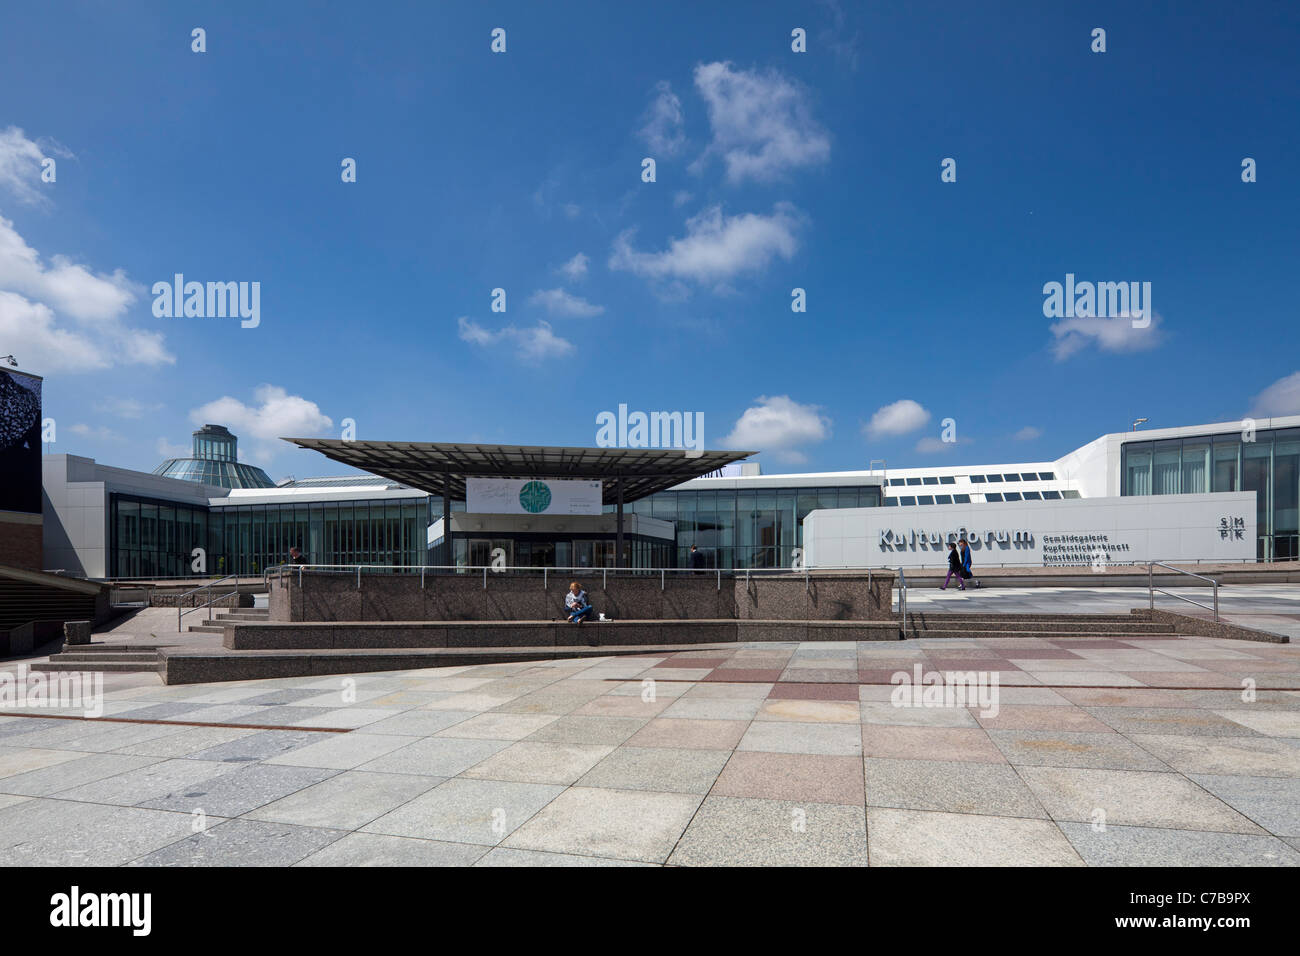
<point x="297" y="557"/>
<point x="576" y="606"/>
<point x="954" y="568"/>
<point x="697" y="559"/>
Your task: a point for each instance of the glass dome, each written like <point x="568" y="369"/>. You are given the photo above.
<point x="215" y="462"/>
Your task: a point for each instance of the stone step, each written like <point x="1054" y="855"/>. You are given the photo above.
<point x="149" y="657"/>
<point x="179" y="666"/>
<point x="1114" y="627"/>
<point x="1044" y="635"/>
<point x="114" y="667"/>
<point x="206" y="628"/>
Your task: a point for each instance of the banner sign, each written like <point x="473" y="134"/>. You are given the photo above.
<point x="20" y="442"/>
<point x="532" y="496"/>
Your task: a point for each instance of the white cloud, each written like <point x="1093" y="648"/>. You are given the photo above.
<point x="38" y="298"/>
<point x="1028" y="433"/>
<point x="778" y="425"/>
<point x="662" y="123"/>
<point x="1280" y="398"/>
<point x="762" y="125"/>
<point x="20" y="165"/>
<point x="716" y="247"/>
<point x="167" y="450"/>
<point x="681" y="198"/>
<point x="559" y="302"/>
<point x="274" y="414"/>
<point x="98" y="432"/>
<point x="126" y="407"/>
<point x="898" y="418"/>
<point x="932" y="446"/>
<point x="531" y="346"/>
<point x="1115" y="334"/>
<point x="571" y="210"/>
<point x="576" y="268"/>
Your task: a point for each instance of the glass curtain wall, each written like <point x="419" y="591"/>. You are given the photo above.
<point x="156" y="538"/>
<point x="747" y="529"/>
<point x="1269" y="466"/>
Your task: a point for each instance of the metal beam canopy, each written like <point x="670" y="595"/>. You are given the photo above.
<point x="441" y="468"/>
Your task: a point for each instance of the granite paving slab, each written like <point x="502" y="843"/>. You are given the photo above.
<point x="242" y="843"/>
<point x="736" y="831"/>
<point x="590" y="821"/>
<point x="467" y="811"/>
<point x="949" y="786"/>
<point x="343" y="801"/>
<point x="929" y="838"/>
<point x="1152" y="846"/>
<point x="656" y="768"/>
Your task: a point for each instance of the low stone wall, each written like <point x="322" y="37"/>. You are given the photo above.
<point x="1201" y="627"/>
<point x="824" y="596"/>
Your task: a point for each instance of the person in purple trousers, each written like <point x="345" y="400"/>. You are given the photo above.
<point x="954" y="568"/>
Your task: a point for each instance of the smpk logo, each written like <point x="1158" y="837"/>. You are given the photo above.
<point x="535" y="497"/>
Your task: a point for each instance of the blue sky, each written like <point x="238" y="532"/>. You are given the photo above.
<point x="775" y="170"/>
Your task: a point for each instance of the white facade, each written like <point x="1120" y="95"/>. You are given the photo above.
<point x="1097" y="532"/>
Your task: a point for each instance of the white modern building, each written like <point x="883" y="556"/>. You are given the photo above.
<point x="1228" y="491"/>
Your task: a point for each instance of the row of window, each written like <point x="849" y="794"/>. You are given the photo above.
<point x="1266" y="462"/>
<point x="989" y="496"/>
<point x="975" y="479"/>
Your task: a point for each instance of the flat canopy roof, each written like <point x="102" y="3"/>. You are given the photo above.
<point x="430" y="465"/>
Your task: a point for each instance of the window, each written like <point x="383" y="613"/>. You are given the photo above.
<point x="896" y="481"/>
<point x="947" y="480"/>
<point x="943" y="499"/>
<point x="1012" y="496"/>
<point x="993" y="478"/>
<point x="891" y="502"/>
<point x="992" y="496"/>
<point x="1047" y="475"/>
<point x="1028" y="476"/>
<point x="977" y="479"/>
<point x="907" y="500"/>
<point x="930" y="480"/>
<point x="1033" y="496"/>
<point x="925" y="500"/>
<point x="961" y="499"/>
<point x="1070" y="494"/>
<point x="1052" y="495"/>
<point x="914" y="481"/>
<point x="1165" y="469"/>
<point x="1012" y="477"/>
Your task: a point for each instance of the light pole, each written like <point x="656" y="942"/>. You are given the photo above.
<point x="1138" y="422"/>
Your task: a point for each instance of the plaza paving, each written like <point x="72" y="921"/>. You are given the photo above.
<point x="1102" y="752"/>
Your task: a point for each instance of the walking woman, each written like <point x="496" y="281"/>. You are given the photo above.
<point x="963" y="548"/>
<point x="954" y="568"/>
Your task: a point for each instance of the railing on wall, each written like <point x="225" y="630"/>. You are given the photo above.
<point x="1152" y="590"/>
<point x="486" y="571"/>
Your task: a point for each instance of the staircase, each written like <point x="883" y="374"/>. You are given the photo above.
<point x="242" y="615"/>
<point x="104" y="658"/>
<point x="1042" y="626"/>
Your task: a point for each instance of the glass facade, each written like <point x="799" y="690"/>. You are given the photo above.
<point x="1268" y="466"/>
<point x="215" y="462"/>
<point x="152" y="538"/>
<point x="747" y="529"/>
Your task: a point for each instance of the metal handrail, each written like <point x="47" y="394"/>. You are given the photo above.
<point x="1152" y="590"/>
<point x="180" y="612"/>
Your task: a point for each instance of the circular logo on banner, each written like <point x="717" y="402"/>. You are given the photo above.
<point x="535" y="497"/>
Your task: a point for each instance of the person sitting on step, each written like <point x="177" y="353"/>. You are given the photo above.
<point x="576" y="605"/>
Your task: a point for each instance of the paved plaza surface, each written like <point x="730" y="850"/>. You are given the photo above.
<point x="1263" y="607"/>
<point x="1141" y="751"/>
